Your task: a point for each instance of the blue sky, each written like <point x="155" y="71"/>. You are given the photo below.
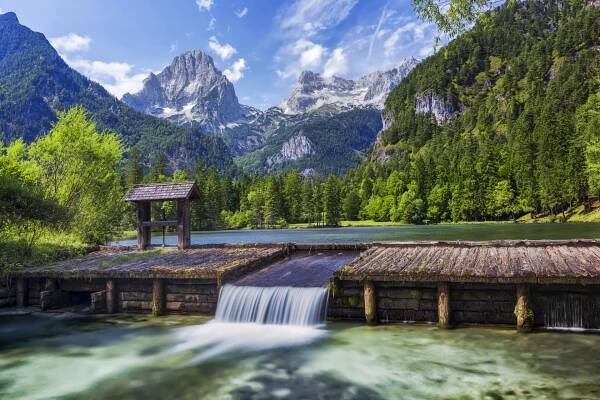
<point x="261" y="45"/>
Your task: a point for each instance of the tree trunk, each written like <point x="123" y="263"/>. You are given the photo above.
<point x="443" y="305"/>
<point x="524" y="314"/>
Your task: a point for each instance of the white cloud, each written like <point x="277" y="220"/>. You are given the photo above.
<point x="211" y="24"/>
<point x="235" y="72"/>
<point x="224" y="51"/>
<point x="205" y="5"/>
<point x="301" y="55"/>
<point x="1" y="11"/>
<point x="71" y="43"/>
<point x="241" y="13"/>
<point x="378" y="30"/>
<point x="407" y="34"/>
<point x="116" y="77"/>
<point x="310" y="16"/>
<point x="173" y="47"/>
<point x="337" y="64"/>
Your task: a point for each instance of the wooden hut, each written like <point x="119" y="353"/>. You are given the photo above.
<point x="143" y="195"/>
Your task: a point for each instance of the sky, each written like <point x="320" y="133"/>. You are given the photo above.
<point x="261" y="46"/>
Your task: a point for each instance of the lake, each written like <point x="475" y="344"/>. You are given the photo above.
<point x="482" y="231"/>
<point x="136" y="357"/>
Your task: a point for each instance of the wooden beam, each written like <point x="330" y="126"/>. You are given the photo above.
<point x="184" y="212"/>
<point x="111" y="296"/>
<point x="143" y="232"/>
<point x="443" y="305"/>
<point x="370" y="303"/>
<point x="524" y="313"/>
<point x="21" y="292"/>
<point x="158" y="297"/>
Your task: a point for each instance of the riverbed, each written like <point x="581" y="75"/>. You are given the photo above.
<point x="476" y="231"/>
<point x="71" y="357"/>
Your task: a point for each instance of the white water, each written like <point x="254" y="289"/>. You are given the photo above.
<point x="251" y="319"/>
<point x="272" y="305"/>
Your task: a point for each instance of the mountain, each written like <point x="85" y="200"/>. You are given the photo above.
<point x="314" y="91"/>
<point x="497" y="124"/>
<point x="36" y="84"/>
<point x="189" y="91"/>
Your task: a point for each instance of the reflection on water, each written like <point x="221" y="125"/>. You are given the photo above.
<point x="403" y="233"/>
<point x="187" y="358"/>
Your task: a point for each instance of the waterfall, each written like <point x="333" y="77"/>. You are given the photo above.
<point x="569" y="311"/>
<point x="280" y="305"/>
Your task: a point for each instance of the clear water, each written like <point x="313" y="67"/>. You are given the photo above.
<point x="187" y="358"/>
<point x="403" y="232"/>
<point x="277" y="305"/>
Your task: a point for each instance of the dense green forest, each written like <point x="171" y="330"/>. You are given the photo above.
<point x="524" y="138"/>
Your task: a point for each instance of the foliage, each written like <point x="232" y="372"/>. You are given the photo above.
<point x="521" y="88"/>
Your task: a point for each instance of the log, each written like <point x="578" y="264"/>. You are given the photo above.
<point x="444" y="305"/>
<point x="158" y="297"/>
<point x="524" y="313"/>
<point x="143" y="232"/>
<point x="98" y="304"/>
<point x="183" y="224"/>
<point x="21" y="292"/>
<point x="370" y="303"/>
<point x="111" y="296"/>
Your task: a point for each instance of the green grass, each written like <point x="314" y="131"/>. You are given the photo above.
<point x="15" y="253"/>
<point x="132" y="257"/>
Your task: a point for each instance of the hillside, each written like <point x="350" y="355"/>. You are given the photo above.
<point x="35" y="84"/>
<point x="495" y="124"/>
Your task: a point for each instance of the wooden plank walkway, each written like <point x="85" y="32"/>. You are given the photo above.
<point x="547" y="262"/>
<point x="201" y="262"/>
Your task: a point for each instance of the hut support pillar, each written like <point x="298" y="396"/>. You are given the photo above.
<point x="158" y="297"/>
<point x="444" y="305"/>
<point x="524" y="313"/>
<point x="144" y="234"/>
<point x="370" y="303"/>
<point x="184" y="212"/>
<point x="111" y="296"/>
<point x="21" y="292"/>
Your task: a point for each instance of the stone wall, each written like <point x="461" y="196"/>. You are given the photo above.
<point x="7" y="292"/>
<point x="191" y="296"/>
<point x="482" y="304"/>
<point x="346" y="301"/>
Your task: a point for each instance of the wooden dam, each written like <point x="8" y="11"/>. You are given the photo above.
<point x="525" y="284"/>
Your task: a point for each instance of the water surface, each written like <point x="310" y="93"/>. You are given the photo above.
<point x="483" y="231"/>
<point x="188" y="358"/>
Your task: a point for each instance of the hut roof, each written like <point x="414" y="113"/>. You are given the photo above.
<point x="576" y="261"/>
<point x="163" y="191"/>
<point x="217" y="262"/>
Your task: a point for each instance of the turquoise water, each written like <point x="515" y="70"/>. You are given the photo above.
<point x="404" y="232"/>
<point x="190" y="358"/>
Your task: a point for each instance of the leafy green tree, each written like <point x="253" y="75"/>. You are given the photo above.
<point x="134" y="169"/>
<point x="351" y="205"/>
<point x="588" y="127"/>
<point x="331" y="201"/>
<point x="80" y="171"/>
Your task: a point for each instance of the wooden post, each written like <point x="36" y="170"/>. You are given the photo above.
<point x="51" y="284"/>
<point x="443" y="305"/>
<point x="111" y="296"/>
<point x="21" y="292"/>
<point x="143" y="232"/>
<point x="370" y="303"/>
<point x="524" y="314"/>
<point x="183" y="224"/>
<point x="158" y="297"/>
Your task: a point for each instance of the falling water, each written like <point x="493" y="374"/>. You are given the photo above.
<point x="569" y="311"/>
<point x="281" y="305"/>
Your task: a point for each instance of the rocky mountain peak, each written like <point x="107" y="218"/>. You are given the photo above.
<point x="9" y="17"/>
<point x="314" y="91"/>
<point x="189" y="90"/>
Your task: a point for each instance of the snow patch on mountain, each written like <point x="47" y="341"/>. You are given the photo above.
<point x="314" y="91"/>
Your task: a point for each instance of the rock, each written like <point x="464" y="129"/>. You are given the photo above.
<point x="430" y="103"/>
<point x="295" y="148"/>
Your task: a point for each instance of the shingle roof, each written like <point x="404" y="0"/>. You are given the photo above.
<point x="576" y="261"/>
<point x="162" y="191"/>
